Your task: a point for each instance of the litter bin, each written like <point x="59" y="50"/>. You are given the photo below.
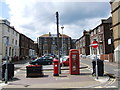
<point x="10" y="71"/>
<point x="100" y="67"/>
<point x="34" y="71"/>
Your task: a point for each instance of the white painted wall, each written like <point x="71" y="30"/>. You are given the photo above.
<point x="6" y="30"/>
<point x="32" y="52"/>
<point x="0" y="51"/>
<point x="0" y="67"/>
<point x="0" y="41"/>
<point x="117" y="54"/>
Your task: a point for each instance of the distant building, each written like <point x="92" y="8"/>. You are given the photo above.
<point x="26" y="47"/>
<point x="115" y="7"/>
<point x="74" y="43"/>
<point x="36" y="48"/>
<point x="47" y="43"/>
<point x="82" y="44"/>
<point x="13" y="41"/>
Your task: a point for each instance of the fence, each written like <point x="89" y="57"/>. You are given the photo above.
<point x="109" y="57"/>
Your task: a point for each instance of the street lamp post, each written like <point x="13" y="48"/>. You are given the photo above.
<point x="6" y="70"/>
<point x="62" y="44"/>
<point x="57" y="17"/>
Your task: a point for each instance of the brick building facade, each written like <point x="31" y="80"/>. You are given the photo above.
<point x="115" y="10"/>
<point x="82" y="44"/>
<point x="103" y="34"/>
<point x="47" y="44"/>
<point x="26" y="47"/>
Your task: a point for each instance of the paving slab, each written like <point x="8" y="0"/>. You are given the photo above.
<point x="64" y="80"/>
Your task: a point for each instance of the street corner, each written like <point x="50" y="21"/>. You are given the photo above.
<point x="102" y="79"/>
<point x="14" y="85"/>
<point x="84" y="79"/>
<point x="2" y="84"/>
<point x="87" y="73"/>
<point x="64" y="80"/>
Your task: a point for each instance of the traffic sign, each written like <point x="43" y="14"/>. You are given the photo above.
<point x="94" y="44"/>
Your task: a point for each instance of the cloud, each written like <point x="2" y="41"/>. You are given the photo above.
<point x="81" y="11"/>
<point x="34" y="18"/>
<point x="76" y="30"/>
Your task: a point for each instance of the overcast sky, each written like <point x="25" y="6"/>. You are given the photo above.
<point x="34" y="17"/>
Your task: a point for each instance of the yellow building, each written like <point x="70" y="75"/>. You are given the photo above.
<point x="115" y="6"/>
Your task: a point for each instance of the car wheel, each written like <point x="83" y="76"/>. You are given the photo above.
<point x="49" y="63"/>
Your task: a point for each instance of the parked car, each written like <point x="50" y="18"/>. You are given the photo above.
<point x="41" y="61"/>
<point x="33" y="57"/>
<point x="64" y="60"/>
<point x="51" y="56"/>
<point x="47" y="57"/>
<point x="83" y="56"/>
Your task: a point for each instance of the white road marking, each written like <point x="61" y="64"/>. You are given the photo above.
<point x="102" y="80"/>
<point x="15" y="72"/>
<point x="3" y="84"/>
<point x="111" y="87"/>
<point x="117" y="70"/>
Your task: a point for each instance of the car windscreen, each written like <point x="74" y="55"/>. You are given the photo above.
<point x="37" y="60"/>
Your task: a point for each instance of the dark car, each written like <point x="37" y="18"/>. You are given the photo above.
<point x="41" y="61"/>
<point x="50" y="55"/>
<point x="47" y="57"/>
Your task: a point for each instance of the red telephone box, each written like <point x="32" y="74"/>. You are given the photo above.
<point x="74" y="62"/>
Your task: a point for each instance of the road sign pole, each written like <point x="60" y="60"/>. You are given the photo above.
<point x="95" y="45"/>
<point x="6" y="70"/>
<point x="96" y="65"/>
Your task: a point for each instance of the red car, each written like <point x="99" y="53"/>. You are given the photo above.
<point x="64" y="60"/>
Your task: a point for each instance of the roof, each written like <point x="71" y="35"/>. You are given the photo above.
<point x="54" y="35"/>
<point x="6" y="22"/>
<point x="63" y="35"/>
<point x="45" y="35"/>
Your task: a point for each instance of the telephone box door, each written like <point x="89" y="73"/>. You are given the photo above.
<point x="74" y="63"/>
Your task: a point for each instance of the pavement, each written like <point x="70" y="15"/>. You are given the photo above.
<point x="114" y="71"/>
<point x="64" y="80"/>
